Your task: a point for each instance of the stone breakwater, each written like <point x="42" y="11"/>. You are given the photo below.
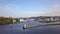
<point x="42" y="25"/>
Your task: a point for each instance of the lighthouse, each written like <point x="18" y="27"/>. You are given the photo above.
<point x="24" y="26"/>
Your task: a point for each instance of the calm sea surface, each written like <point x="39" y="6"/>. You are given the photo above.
<point x="17" y="28"/>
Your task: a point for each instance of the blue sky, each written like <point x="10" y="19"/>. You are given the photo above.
<point x="29" y="8"/>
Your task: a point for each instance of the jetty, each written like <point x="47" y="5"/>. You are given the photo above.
<point x="41" y="25"/>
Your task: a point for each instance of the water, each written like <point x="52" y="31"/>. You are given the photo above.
<point x="17" y="28"/>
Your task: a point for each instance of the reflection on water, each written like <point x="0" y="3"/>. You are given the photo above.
<point x="18" y="29"/>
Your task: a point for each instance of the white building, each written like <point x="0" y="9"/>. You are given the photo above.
<point x="31" y="19"/>
<point x="47" y="19"/>
<point x="22" y="20"/>
<point x="14" y="20"/>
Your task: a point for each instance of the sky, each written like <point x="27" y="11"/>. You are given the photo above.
<point x="29" y="8"/>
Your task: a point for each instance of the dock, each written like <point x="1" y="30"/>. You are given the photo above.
<point x="41" y="25"/>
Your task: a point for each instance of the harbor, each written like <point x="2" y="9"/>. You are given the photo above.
<point x="31" y="27"/>
<point x="29" y="16"/>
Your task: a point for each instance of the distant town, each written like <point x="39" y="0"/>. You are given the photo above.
<point x="10" y="20"/>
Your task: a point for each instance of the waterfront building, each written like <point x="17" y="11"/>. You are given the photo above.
<point x="31" y="19"/>
<point x="22" y="20"/>
<point x="14" y="20"/>
<point x="47" y="19"/>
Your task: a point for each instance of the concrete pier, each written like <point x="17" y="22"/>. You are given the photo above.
<point x="42" y="25"/>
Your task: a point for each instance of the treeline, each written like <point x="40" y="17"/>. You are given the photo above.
<point x="5" y="20"/>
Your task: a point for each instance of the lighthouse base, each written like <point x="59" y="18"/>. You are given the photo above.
<point x="24" y="28"/>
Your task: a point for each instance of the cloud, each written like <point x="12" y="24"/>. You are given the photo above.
<point x="7" y="7"/>
<point x="14" y="11"/>
<point x="31" y="13"/>
<point x="7" y="10"/>
<point x="55" y="11"/>
<point x="56" y="8"/>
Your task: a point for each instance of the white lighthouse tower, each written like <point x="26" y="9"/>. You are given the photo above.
<point x="24" y="26"/>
